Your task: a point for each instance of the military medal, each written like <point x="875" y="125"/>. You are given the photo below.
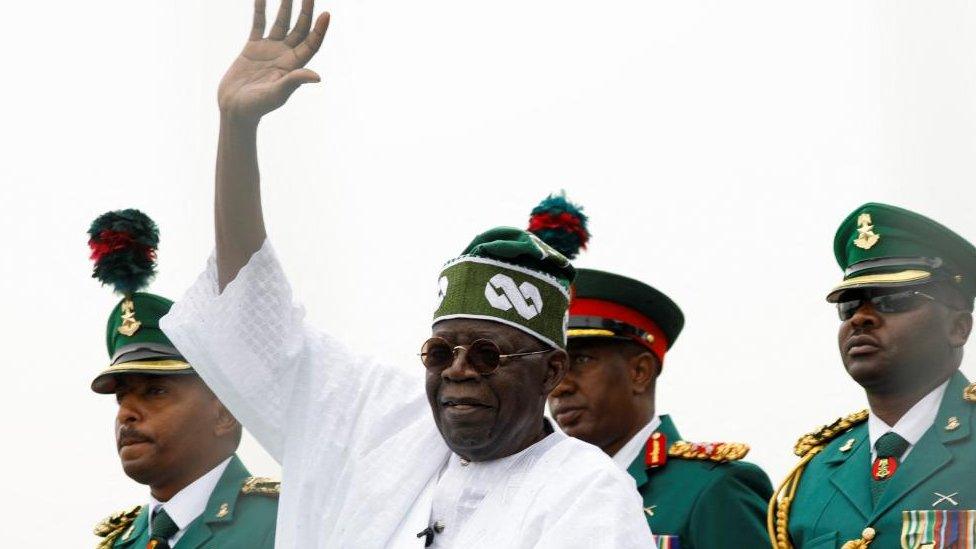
<point x="884" y="468"/>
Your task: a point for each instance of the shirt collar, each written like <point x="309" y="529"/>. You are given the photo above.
<point x="190" y="502"/>
<point x="626" y="455"/>
<point x="913" y="424"/>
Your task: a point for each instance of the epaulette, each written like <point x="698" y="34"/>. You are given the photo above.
<point x="261" y="485"/>
<point x="809" y="445"/>
<point x="113" y="526"/>
<point x="825" y="434"/>
<point x="719" y="452"/>
<point x="969" y="393"/>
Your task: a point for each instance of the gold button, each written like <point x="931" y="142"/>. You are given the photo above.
<point x="868" y="533"/>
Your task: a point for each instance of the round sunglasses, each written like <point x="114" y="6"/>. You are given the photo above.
<point x="898" y="302"/>
<point x="482" y="354"/>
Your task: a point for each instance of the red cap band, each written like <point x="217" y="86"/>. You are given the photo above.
<point x="584" y="306"/>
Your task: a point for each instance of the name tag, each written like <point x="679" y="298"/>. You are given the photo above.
<point x="934" y="529"/>
<point x="667" y="542"/>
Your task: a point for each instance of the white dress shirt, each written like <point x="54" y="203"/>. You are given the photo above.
<point x="190" y="502"/>
<point x="363" y="464"/>
<point x="626" y="455"/>
<point x="912" y="425"/>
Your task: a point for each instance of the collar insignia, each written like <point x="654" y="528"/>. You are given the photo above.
<point x="223" y="511"/>
<point x="866" y="237"/>
<point x="655" y="453"/>
<point x="952" y="424"/>
<point x="848" y="445"/>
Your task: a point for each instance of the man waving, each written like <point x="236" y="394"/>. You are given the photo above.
<point x="365" y="462"/>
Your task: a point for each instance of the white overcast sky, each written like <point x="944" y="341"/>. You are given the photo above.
<point x="715" y="145"/>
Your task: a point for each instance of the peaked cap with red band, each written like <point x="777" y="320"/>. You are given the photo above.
<point x="610" y="305"/>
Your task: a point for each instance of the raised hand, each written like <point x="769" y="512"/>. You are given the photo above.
<point x="270" y="69"/>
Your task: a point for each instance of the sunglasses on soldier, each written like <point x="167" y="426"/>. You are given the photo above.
<point x="895" y="302"/>
<point x="483" y="355"/>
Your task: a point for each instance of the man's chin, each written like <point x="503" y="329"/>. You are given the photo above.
<point x="867" y="373"/>
<point x="141" y="469"/>
<point x="139" y="472"/>
<point x="472" y="443"/>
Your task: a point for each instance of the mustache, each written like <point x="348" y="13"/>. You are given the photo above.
<point x="128" y="434"/>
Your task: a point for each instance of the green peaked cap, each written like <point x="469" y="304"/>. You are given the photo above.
<point x="509" y="276"/>
<point x="657" y="315"/>
<point x="135" y="342"/>
<point x="879" y="245"/>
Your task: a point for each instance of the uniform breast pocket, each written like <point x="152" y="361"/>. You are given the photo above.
<point x="930" y="529"/>
<point x="825" y="541"/>
<point x="667" y="542"/>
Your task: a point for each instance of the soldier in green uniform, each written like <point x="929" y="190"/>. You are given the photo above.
<point x="903" y="472"/>
<point x="172" y="433"/>
<point x="695" y="495"/>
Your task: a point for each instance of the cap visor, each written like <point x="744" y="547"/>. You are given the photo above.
<point x="105" y="382"/>
<point x="589" y="332"/>
<point x="880" y="280"/>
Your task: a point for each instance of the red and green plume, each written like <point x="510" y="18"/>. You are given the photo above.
<point x="560" y="224"/>
<point x="123" y="246"/>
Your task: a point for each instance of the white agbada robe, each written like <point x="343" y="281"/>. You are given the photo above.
<point x="363" y="464"/>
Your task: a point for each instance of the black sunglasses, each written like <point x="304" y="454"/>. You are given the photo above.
<point x="898" y="302"/>
<point x="483" y="355"/>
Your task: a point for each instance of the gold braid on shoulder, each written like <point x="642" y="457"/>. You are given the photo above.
<point x="261" y="485"/>
<point x="969" y="393"/>
<point x="719" y="452"/>
<point x="809" y="445"/>
<point x="113" y="526"/>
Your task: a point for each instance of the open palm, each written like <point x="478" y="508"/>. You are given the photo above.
<point x="270" y="69"/>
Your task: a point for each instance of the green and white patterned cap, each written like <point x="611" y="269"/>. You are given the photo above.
<point x="509" y="276"/>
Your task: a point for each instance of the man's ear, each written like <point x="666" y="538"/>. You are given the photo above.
<point x="556" y="366"/>
<point x="226" y="423"/>
<point x="644" y="369"/>
<point x="960" y="326"/>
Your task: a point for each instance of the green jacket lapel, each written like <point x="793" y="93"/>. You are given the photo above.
<point x="220" y="506"/>
<point x="934" y="450"/>
<point x="852" y="469"/>
<point x="638" y="471"/>
<point x="637" y="468"/>
<point x="668" y="429"/>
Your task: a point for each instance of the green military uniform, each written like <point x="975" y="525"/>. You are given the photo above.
<point x="696" y="496"/>
<point x="701" y="496"/>
<point x="936" y="482"/>
<point x="241" y="512"/>
<point x="930" y="499"/>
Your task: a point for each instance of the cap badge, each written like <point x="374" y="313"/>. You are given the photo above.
<point x="866" y="237"/>
<point x="129" y="323"/>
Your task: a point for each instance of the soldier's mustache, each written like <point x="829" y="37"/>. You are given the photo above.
<point x="130" y="435"/>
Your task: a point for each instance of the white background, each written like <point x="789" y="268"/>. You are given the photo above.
<point x="715" y="145"/>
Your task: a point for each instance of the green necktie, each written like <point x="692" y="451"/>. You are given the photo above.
<point x="889" y="447"/>
<point x="162" y="529"/>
